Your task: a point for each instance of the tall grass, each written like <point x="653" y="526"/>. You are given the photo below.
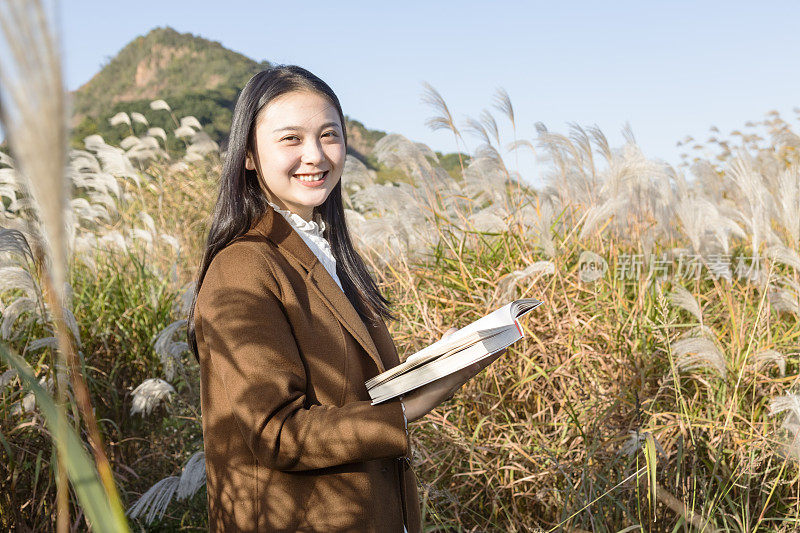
<point x="58" y="223"/>
<point x="655" y="391"/>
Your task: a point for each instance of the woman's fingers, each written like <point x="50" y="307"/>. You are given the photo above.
<point x="449" y="332"/>
<point x="468" y="372"/>
<point x="483" y="363"/>
<point x="489" y="360"/>
<point x="421" y="400"/>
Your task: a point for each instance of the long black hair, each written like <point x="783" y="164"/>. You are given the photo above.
<point x="241" y="201"/>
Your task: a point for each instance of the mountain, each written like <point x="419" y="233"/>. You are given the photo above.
<point x="195" y="76"/>
<point x="164" y="64"/>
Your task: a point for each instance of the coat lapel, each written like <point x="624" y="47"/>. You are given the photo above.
<point x="279" y="231"/>
<point x="384" y="342"/>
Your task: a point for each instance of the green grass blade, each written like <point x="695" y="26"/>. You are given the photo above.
<point x="82" y="473"/>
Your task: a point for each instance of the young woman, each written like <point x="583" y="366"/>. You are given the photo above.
<point x="288" y="324"/>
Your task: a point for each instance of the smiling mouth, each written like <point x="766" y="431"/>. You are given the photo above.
<point x="311" y="177"/>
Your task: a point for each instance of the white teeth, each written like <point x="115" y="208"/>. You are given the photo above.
<point x="310" y="177"/>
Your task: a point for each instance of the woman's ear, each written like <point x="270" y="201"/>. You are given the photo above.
<point x="248" y="162"/>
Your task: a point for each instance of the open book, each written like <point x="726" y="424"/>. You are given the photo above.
<point x="484" y="337"/>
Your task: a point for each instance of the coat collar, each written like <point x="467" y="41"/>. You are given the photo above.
<point x="277" y="230"/>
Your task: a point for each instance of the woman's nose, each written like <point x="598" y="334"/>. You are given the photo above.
<point x="312" y="152"/>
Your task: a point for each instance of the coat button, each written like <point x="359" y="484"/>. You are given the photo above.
<point x="384" y="469"/>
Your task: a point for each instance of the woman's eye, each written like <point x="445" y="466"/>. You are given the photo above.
<point x="296" y="138"/>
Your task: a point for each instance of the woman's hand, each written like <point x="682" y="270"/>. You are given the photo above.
<point x="422" y="400"/>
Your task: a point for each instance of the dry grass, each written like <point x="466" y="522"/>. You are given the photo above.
<point x="649" y="401"/>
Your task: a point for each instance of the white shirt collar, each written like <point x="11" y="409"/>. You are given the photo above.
<point x="315" y="226"/>
<point x="312" y="232"/>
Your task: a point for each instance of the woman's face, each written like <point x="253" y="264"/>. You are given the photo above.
<point x="300" y="149"/>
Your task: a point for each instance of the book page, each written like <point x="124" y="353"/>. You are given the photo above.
<point x="503" y="317"/>
<point x="496" y="319"/>
<point x="443" y="366"/>
<point x="485" y="327"/>
<point x="522" y="307"/>
<point x="434" y="351"/>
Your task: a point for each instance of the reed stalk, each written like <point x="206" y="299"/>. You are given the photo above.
<point x="33" y="113"/>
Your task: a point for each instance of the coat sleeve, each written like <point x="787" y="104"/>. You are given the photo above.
<point x="253" y="353"/>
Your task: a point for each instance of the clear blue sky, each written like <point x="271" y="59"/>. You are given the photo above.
<point x="669" y="68"/>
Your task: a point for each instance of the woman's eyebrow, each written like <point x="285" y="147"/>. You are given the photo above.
<point x="327" y="124"/>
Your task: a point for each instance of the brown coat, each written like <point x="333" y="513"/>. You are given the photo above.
<point x="291" y="439"/>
